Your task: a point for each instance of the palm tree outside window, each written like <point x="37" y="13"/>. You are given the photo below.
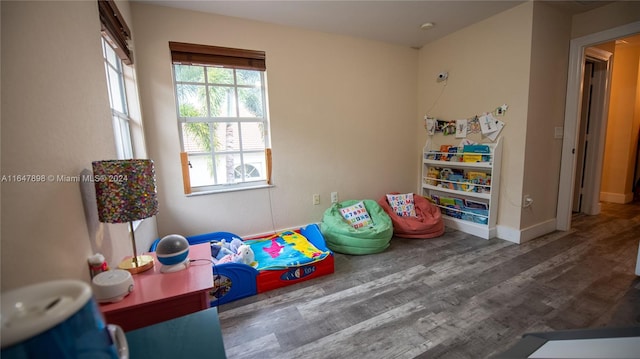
<point x="222" y="116"/>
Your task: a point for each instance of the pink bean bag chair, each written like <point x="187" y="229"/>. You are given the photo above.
<point x="427" y="222"/>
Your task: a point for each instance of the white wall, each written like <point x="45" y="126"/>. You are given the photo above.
<point x="342" y="114"/>
<point x="488" y="64"/>
<point x="55" y="122"/>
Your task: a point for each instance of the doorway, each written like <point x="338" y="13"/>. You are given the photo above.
<point x="593" y="124"/>
<point x="577" y="56"/>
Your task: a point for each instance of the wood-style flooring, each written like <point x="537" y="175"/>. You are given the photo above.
<point x="456" y="296"/>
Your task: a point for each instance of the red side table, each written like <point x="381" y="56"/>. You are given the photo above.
<point x="157" y="297"/>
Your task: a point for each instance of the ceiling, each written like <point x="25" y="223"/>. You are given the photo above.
<point x="394" y="21"/>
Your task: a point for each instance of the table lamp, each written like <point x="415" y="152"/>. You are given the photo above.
<point x="126" y="192"/>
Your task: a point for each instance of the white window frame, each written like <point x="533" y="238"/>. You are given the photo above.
<point x="121" y="119"/>
<point x="247" y="182"/>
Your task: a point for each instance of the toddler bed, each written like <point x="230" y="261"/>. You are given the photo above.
<point x="282" y="259"/>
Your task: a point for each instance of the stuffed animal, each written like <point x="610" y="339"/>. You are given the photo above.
<point x="243" y="255"/>
<point x="221" y="249"/>
<point x="218" y="251"/>
<point x="235" y="244"/>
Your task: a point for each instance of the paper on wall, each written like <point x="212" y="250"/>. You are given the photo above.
<point x="461" y="128"/>
<point x="494" y="135"/>
<point x="487" y="124"/>
<point x="430" y="124"/>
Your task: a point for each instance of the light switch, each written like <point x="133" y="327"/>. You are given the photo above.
<point x="559" y="133"/>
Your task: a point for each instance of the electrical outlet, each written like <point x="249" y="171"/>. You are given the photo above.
<point x="334" y="197"/>
<point x="316" y="199"/>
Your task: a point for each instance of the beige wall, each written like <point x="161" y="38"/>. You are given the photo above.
<point x="55" y="121"/>
<point x="342" y="114"/>
<point x="636" y="130"/>
<point x="146" y="231"/>
<point x="604" y="18"/>
<point x="345" y="117"/>
<point x="598" y="20"/>
<point x="547" y="92"/>
<point x="622" y="126"/>
<point x="488" y="65"/>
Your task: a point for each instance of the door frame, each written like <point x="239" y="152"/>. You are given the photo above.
<point x="572" y="115"/>
<point x="594" y="156"/>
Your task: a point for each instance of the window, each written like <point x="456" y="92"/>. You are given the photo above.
<point x="115" y="29"/>
<point x="115" y="51"/>
<point x="221" y="100"/>
<point x="247" y="171"/>
<point x="118" y="101"/>
<point x="117" y="58"/>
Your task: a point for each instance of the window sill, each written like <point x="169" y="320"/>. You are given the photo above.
<point x="227" y="190"/>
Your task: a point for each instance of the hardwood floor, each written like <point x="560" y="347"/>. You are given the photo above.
<point x="456" y="296"/>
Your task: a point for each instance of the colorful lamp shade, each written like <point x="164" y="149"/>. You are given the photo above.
<point x="126" y="192"/>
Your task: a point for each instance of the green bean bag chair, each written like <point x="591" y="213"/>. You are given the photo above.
<point x="342" y="237"/>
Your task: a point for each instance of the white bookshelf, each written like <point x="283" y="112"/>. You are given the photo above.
<point x="463" y="190"/>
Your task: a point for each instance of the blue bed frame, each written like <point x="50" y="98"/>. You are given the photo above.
<point x="246" y="281"/>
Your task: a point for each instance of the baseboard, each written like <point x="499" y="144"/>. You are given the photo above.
<point x="620" y="198"/>
<point x="502" y="232"/>
<point x="638" y="262"/>
<point x="524" y="235"/>
<point x="508" y="234"/>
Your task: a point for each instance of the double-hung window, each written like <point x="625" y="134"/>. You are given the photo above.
<point x="116" y="53"/>
<point x="221" y="101"/>
<point x="118" y="100"/>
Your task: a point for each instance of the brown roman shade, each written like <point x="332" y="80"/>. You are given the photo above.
<point x="192" y="54"/>
<point x="115" y="29"/>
